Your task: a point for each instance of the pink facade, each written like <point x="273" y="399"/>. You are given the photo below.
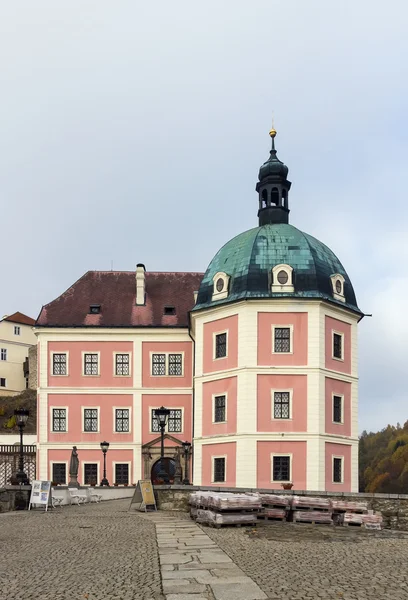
<point x="297" y="452"/>
<point x="297" y="386"/>
<point x="184" y="348"/>
<point x="335" y="364"/>
<point x="342" y="451"/>
<point x="266" y="323"/>
<point x="75" y="359"/>
<point x="171" y="401"/>
<point x="210" y="363"/>
<point x="211" y="451"/>
<point x="343" y="390"/>
<point x="227" y="387"/>
<point x="93" y="456"/>
<point x="76" y="403"/>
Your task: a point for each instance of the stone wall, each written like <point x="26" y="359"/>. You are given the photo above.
<point x="32" y="367"/>
<point x="14" y="497"/>
<point x="394" y="507"/>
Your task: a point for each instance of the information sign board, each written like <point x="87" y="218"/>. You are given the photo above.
<point x="143" y="498"/>
<point x="41" y="493"/>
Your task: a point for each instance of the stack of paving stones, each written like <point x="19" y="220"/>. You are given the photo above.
<point x="355" y="513"/>
<point x="193" y="567"/>
<point x="306" y="509"/>
<point x="275" y="507"/>
<point x="218" y="509"/>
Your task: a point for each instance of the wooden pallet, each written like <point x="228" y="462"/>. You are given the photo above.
<point x="268" y="518"/>
<point x="304" y="522"/>
<point x="219" y="525"/>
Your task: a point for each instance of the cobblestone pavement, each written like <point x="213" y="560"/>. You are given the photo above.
<point x="299" y="562"/>
<point x="97" y="551"/>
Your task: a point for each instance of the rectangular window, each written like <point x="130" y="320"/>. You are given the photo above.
<point x="219" y="470"/>
<point x="158" y="364"/>
<point x="59" y="419"/>
<point x="91" y="419"/>
<point x="337" y="470"/>
<point x="59" y="473"/>
<point x="281" y="468"/>
<point x="337" y="345"/>
<point x="122" y="364"/>
<point x="122" y="420"/>
<point x="167" y="364"/>
<point x="121" y="473"/>
<point x="90" y="364"/>
<point x="282" y="339"/>
<point x="337" y="412"/>
<point x="219" y="409"/>
<point x="220" y="345"/>
<point x="174" y="422"/>
<point x="3" y="354"/>
<point x="90" y="473"/>
<point x="281" y="405"/>
<point x="59" y="364"/>
<point x="16" y="330"/>
<point x="3" y="382"/>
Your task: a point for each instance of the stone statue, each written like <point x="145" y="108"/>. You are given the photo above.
<point x="73" y="468"/>
<point x="177" y="472"/>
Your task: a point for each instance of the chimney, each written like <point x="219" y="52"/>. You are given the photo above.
<point x="140" y="284"/>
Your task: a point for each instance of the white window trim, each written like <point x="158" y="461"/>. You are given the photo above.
<point x="342" y="408"/>
<point x="182" y="352"/>
<point x="285" y="287"/>
<point x="214" y="344"/>
<point x="342" y="345"/>
<point x="83" y="408"/>
<point x="58" y="462"/>
<point x="174" y="433"/>
<point x="3" y="351"/>
<point x="5" y="382"/>
<point x="290" y="467"/>
<point x="216" y="295"/>
<point x="115" y="408"/>
<point x="334" y="279"/>
<point x="91" y="462"/>
<point x="115" y="354"/>
<point x="52" y="420"/>
<point x="66" y="352"/>
<point x="342" y="469"/>
<point x="19" y="330"/>
<point x="273" y="418"/>
<point x="213" y="408"/>
<point x="83" y="362"/>
<point x="121" y="462"/>
<point x="290" y="339"/>
<point x="224" y="456"/>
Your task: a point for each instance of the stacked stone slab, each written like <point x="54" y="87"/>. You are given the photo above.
<point x="274" y="507"/>
<point x="217" y="509"/>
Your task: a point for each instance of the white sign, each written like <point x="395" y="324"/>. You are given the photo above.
<point x="40" y="493"/>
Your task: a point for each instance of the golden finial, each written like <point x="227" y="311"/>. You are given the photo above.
<point x="272" y="132"/>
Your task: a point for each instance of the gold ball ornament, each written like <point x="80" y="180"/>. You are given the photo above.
<point x="272" y="133"/>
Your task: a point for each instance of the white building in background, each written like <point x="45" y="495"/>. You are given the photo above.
<point x="16" y="337"/>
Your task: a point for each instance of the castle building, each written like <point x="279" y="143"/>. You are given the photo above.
<point x="256" y="360"/>
<point x="16" y="339"/>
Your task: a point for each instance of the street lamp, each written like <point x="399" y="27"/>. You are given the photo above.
<point x="187" y="449"/>
<point x="21" y="416"/>
<point x="104" y="448"/>
<point x="162" y="415"/>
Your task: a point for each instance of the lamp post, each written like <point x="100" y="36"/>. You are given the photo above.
<point x="104" y="448"/>
<point x="21" y="416"/>
<point x="162" y="415"/>
<point x="187" y="449"/>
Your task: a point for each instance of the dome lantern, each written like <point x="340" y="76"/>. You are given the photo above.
<point x="273" y="189"/>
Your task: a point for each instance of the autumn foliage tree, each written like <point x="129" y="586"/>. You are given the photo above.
<point x="383" y="458"/>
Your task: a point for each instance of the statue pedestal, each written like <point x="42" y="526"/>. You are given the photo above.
<point x="73" y="481"/>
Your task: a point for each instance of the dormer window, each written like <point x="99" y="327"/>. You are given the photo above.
<point x="169" y="310"/>
<point x="337" y="282"/>
<point x="220" y="283"/>
<point x="282" y="279"/>
<point x="94" y="309"/>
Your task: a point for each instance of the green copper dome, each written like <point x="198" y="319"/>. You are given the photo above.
<point x="248" y="259"/>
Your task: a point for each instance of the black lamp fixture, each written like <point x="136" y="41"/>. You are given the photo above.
<point x="162" y="414"/>
<point x="21" y="416"/>
<point x="187" y="450"/>
<point x="104" y="448"/>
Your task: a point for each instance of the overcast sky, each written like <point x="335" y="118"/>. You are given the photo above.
<point x="133" y="132"/>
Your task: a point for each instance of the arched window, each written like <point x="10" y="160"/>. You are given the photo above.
<point x="337" y="281"/>
<point x="264" y="198"/>
<point x="220" y="283"/>
<point x="282" y="279"/>
<point x="284" y="198"/>
<point x="275" y="196"/>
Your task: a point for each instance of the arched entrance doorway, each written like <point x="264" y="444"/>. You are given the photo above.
<point x="169" y="467"/>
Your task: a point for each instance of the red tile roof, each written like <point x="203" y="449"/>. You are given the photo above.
<point x="18" y="317"/>
<point x="115" y="291"/>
